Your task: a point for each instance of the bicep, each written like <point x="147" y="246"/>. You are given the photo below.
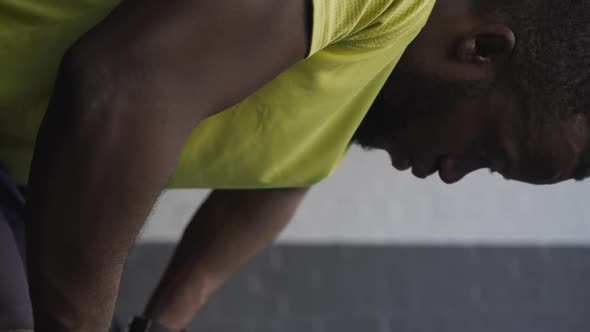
<point x="196" y="56"/>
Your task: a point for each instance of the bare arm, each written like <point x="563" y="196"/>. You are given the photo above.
<point x="127" y="97"/>
<point x="230" y="228"/>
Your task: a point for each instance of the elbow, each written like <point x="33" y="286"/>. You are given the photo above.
<point x="85" y="93"/>
<point x="102" y="90"/>
<point x="94" y="97"/>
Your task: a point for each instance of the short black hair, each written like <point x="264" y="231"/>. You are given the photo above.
<point x="552" y="56"/>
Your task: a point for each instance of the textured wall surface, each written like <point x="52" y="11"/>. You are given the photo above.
<point x="387" y="289"/>
<point x="367" y="201"/>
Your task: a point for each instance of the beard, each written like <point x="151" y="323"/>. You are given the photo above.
<point x="407" y="99"/>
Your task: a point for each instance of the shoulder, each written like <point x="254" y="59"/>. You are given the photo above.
<point x="366" y="23"/>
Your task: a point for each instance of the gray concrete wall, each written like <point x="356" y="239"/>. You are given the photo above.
<point x="368" y="202"/>
<point x="384" y="289"/>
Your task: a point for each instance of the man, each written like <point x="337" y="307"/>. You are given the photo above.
<point x="484" y="84"/>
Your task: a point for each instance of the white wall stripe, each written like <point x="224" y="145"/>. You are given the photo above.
<point x="367" y="202"/>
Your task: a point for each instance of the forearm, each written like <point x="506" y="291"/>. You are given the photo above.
<point x="111" y="139"/>
<point x="94" y="180"/>
<point x="230" y="228"/>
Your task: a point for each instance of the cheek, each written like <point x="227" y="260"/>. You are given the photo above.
<point x="578" y="135"/>
<point x="569" y="145"/>
<point x="555" y="152"/>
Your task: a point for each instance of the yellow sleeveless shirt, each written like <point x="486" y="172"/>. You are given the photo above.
<point x="293" y="132"/>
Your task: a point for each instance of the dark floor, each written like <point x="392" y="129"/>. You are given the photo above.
<point x="400" y="289"/>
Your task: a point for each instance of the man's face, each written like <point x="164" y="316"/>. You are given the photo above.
<point x="454" y="127"/>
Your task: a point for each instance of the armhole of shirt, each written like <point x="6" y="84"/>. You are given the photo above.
<point x="309" y="26"/>
<point x="316" y="27"/>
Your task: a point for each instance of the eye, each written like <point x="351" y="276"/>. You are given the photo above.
<point x="484" y="156"/>
<point x="495" y="165"/>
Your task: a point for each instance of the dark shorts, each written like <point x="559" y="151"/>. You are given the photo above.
<point x="15" y="306"/>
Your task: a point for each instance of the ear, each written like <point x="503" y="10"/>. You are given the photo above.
<point x="487" y="44"/>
